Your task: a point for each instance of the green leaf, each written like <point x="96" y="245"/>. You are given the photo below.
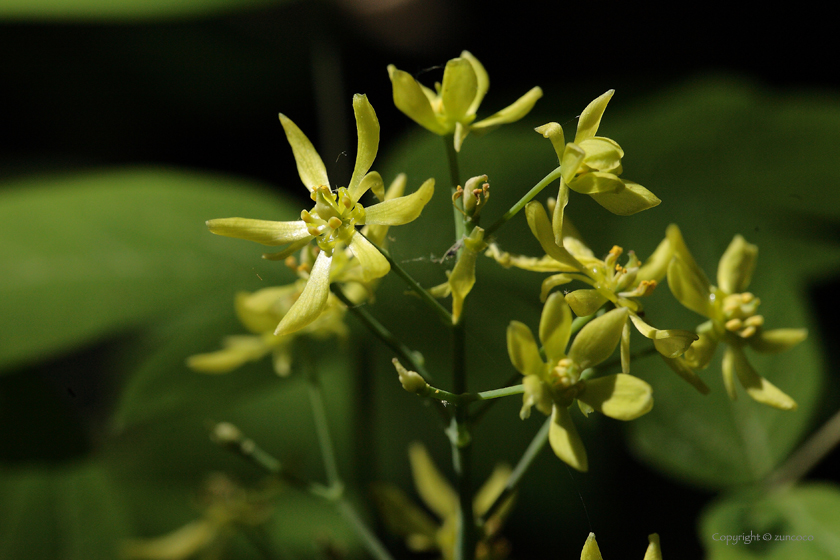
<point x="91" y="254"/>
<point x="801" y="522"/>
<point x="121" y="10"/>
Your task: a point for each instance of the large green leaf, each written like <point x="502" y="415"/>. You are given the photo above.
<point x="121" y="10"/>
<point x="92" y="253"/>
<point x="801" y="522"/>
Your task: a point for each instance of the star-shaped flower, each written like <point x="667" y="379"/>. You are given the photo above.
<point x="553" y="383"/>
<point x="592" y="164"/>
<point x="451" y="109"/>
<point x="733" y="318"/>
<point x="332" y="221"/>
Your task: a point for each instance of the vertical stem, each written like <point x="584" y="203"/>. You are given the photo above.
<point x="459" y="435"/>
<point x="368" y="538"/>
<point x="319" y="412"/>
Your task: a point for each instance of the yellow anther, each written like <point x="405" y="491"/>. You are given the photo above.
<point x="734" y="324"/>
<point x="305" y="216"/>
<point x="314" y="231"/>
<point x="335" y="222"/>
<point x="291" y="262"/>
<point x="647" y="286"/>
<point x="304" y="267"/>
<point x="747" y="332"/>
<point x="747" y="297"/>
<point x="616" y="250"/>
<point x="754" y="321"/>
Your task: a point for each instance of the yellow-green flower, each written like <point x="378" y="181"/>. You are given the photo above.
<point x="733" y="318"/>
<point x="422" y="533"/>
<point x="451" y="108"/>
<point x="332" y="222"/>
<point x="553" y="384"/>
<point x="592" y="552"/>
<point x="260" y="313"/>
<point x="461" y="280"/>
<point x="592" y="164"/>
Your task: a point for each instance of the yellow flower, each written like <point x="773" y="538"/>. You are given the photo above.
<point x="421" y="532"/>
<point x="552" y="385"/>
<point x="592" y="552"/>
<point x="592" y="164"/>
<point x="452" y="107"/>
<point x="332" y="221"/>
<point x="733" y="318"/>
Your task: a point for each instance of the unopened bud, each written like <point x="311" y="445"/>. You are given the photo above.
<point x="411" y="381"/>
<point x="472" y="192"/>
<point x="225" y="433"/>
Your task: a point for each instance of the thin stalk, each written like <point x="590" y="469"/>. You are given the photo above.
<point x="514" y="210"/>
<point x="650" y="351"/>
<point x="808" y="454"/>
<point x="537" y="444"/>
<point x="373" y="325"/>
<point x="455" y="179"/>
<point x="427" y="298"/>
<point x="466" y="398"/>
<point x="370" y="541"/>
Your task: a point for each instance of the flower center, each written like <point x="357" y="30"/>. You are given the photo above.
<point x="333" y="218"/>
<point x="740" y="314"/>
<point x="617" y="279"/>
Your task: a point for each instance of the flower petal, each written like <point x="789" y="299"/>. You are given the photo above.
<point x="701" y="351"/>
<point x="309" y="164"/>
<point x="400" y="210"/>
<point x="367" y="129"/>
<point x="571" y="160"/>
<point x="535" y="393"/>
<point x="756" y="386"/>
<point x="565" y="441"/>
<point x="312" y="300"/>
<point x="602" y="154"/>
<point x="491" y="489"/>
<point x="430" y="484"/>
<point x="585" y="302"/>
<point x="370" y="182"/>
<point x="689" y="288"/>
<point x="683" y="370"/>
<point x="590" y="118"/>
<point x="482" y="81"/>
<point x="541" y="228"/>
<point x="656" y="265"/>
<point x="554" y="132"/>
<point x="261" y="231"/>
<point x="653" y="552"/>
<point x="374" y="265"/>
<point x="618" y="396"/>
<point x="670" y="343"/>
<point x="462" y="278"/>
<point x="632" y="199"/>
<point x="552" y="282"/>
<point x="736" y="266"/>
<point x="777" y="340"/>
<point x="522" y="349"/>
<point x="509" y="114"/>
<point x="597" y="340"/>
<point x="237" y="351"/>
<point x="597" y="182"/>
<point x="624" y="348"/>
<point x="410" y="99"/>
<point x="728" y="369"/>
<point x="461" y="132"/>
<point x="590" y="549"/>
<point x="557" y="215"/>
<point x="459" y="88"/>
<point x="555" y="327"/>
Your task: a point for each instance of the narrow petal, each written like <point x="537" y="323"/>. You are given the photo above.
<point x="370" y="182"/>
<point x="597" y="340"/>
<point x="459" y="88"/>
<point x="554" y="132"/>
<point x="367" y="129"/>
<point x="491" y="489"/>
<point x="462" y="278"/>
<point x="400" y="210"/>
<point x="535" y="393"/>
<point x="461" y="132"/>
<point x="309" y="165"/>
<point x="522" y="349"/>
<point x="757" y="387"/>
<point x="728" y="369"/>
<point x="656" y="265"/>
<point x="374" y="265"/>
<point x="618" y="396"/>
<point x="565" y="441"/>
<point x="777" y="340"/>
<point x="653" y="552"/>
<point x="633" y="199"/>
<point x="585" y="302"/>
<point x="571" y="160"/>
<point x="683" y="370"/>
<point x="509" y="114"/>
<point x="260" y="310"/>
<point x="701" y="351"/>
<point x="541" y="228"/>
<point x="430" y="484"/>
<point x="402" y="517"/>
<point x="555" y="327"/>
<point x="736" y="266"/>
<point x="602" y="154"/>
<point x="690" y="289"/>
<point x="180" y="543"/>
<point x="552" y="282"/>
<point x="590" y="549"/>
<point x="625" y="348"/>
<point x="597" y="182"/>
<point x="670" y="343"/>
<point x="312" y="300"/>
<point x="482" y="81"/>
<point x="410" y="99"/>
<point x="590" y="118"/>
<point x="261" y="231"/>
<point x="680" y="249"/>
<point x="557" y="215"/>
<point x="238" y="351"/>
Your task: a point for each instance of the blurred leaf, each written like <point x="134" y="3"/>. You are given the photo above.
<point x="121" y="10"/>
<point x="89" y="254"/>
<point x="804" y="519"/>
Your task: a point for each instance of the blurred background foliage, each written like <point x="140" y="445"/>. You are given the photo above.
<point x="127" y="124"/>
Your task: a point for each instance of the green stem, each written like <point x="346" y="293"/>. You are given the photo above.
<point x="427" y="298"/>
<point x="403" y="352"/>
<point x="534" y="448"/>
<point x="319" y="413"/>
<point x="370" y="541"/>
<point x="808" y="454"/>
<point x="455" y="179"/>
<point x="466" y="398"/>
<point x="514" y="210"/>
